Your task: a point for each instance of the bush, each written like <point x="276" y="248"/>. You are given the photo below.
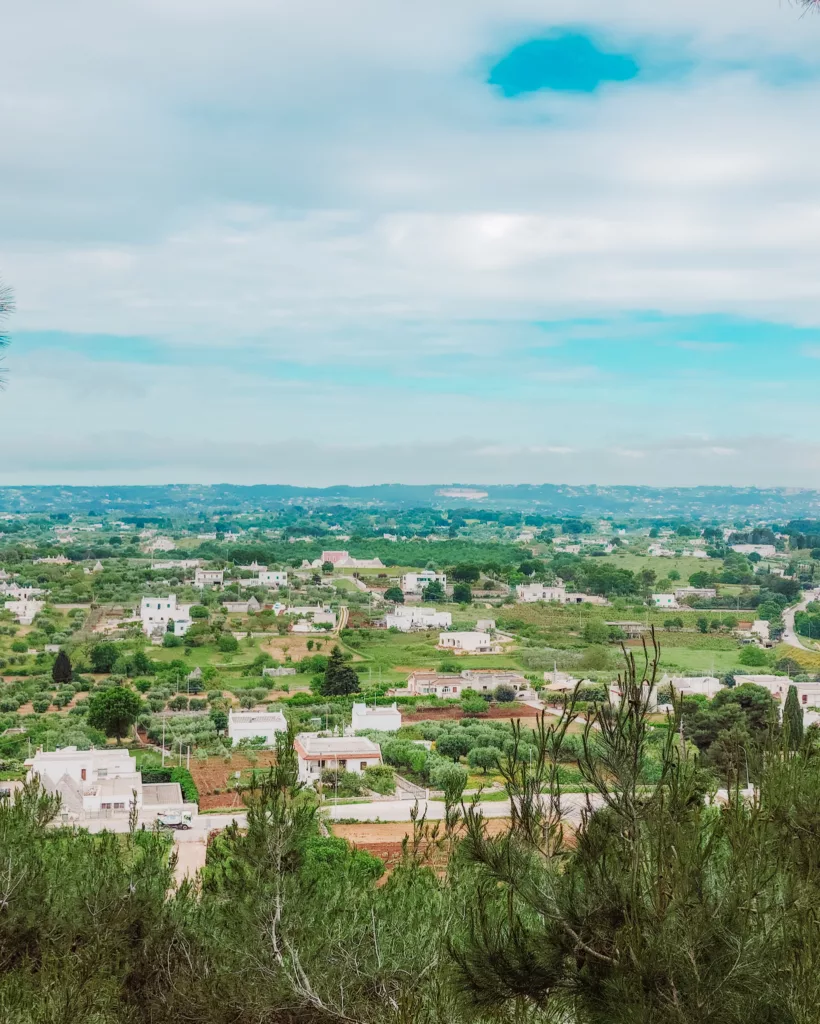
<point x="190" y="794"/>
<point x="179" y="703"/>
<point x="504" y="694"/>
<point x="342" y="783"/>
<point x="41" y="705"/>
<point x="751" y="655"/>
<point x="19" y="646"/>
<point x="380" y="778"/>
<point x="169" y="640"/>
<point x="197" y="705"/>
<point x="227" y="643"/>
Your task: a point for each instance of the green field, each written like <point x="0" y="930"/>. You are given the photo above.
<point x="662" y="566"/>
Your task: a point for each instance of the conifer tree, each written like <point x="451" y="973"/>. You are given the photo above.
<point x="793" y="718"/>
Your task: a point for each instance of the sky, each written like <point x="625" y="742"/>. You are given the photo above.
<point x="259" y="241"/>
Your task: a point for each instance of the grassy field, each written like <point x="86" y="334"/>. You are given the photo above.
<point x="662" y="566"/>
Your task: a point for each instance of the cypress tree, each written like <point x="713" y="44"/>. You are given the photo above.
<point x="61" y="669"/>
<point x="793" y="717"/>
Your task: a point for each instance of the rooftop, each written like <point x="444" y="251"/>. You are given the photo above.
<point x="316" y="746"/>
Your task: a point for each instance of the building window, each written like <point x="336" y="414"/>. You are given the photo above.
<point x="119" y="807"/>
<point x="362" y="765"/>
<point x="343" y="765"/>
<point x="105" y="807"/>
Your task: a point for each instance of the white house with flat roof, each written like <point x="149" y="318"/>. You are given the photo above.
<point x="157" y="612"/>
<point x="273" y="578"/>
<point x="687" y="685"/>
<point x="468" y="642"/>
<point x="334" y="753"/>
<point x="665" y="601"/>
<point x="415" y="582"/>
<point x="408" y="618"/>
<point x="380" y="719"/>
<point x="209" y="578"/>
<point x="249" y="725"/>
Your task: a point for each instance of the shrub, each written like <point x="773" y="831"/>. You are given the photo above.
<point x="19" y="646"/>
<point x="342" y="783"/>
<point x="227" y="643"/>
<point x="504" y="693"/>
<point x="178" y="703"/>
<point x="41" y="705"/>
<point x="751" y="655"/>
<point x="380" y="778"/>
<point x="190" y="794"/>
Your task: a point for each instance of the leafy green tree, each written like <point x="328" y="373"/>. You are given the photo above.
<point x="219" y="719"/>
<point x="199" y="611"/>
<point x="793" y="718"/>
<point x="485" y="758"/>
<point x="504" y="693"/>
<point x="327" y="568"/>
<point x="703" y="624"/>
<point x="103" y="656"/>
<point x="753" y="656"/>
<point x="462" y="594"/>
<point x="61" y="670"/>
<point x="339" y="679"/>
<point x="114" y="711"/>
<point x="596" y="631"/>
<point x="227" y="643"/>
<point x="465" y="573"/>
<point x="394" y="594"/>
<point x="434" y="592"/>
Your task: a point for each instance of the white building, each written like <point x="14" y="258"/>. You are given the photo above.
<point x="408" y="618"/>
<point x="665" y="601"/>
<point x="157" y="612"/>
<point x="248" y="725"/>
<point x="334" y="753"/>
<point x="101" y="783"/>
<point x="659" y="551"/>
<point x="415" y="582"/>
<point x="468" y="642"/>
<point x="681" y="593"/>
<point x="380" y="719"/>
<point x="161" y="544"/>
<point x="649" y="695"/>
<point x="529" y="593"/>
<point x="450" y="687"/>
<point x="686" y="686"/>
<point x="760" y="628"/>
<point x="25" y="610"/>
<point x="241" y="607"/>
<point x="314" y="619"/>
<point x="273" y="578"/>
<point x="209" y="578"/>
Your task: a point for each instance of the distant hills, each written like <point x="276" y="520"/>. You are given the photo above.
<point x="547" y="499"/>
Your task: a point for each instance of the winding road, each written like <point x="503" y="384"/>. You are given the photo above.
<point x="790" y="636"/>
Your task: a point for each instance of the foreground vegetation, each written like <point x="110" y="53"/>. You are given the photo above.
<point x="663" y="906"/>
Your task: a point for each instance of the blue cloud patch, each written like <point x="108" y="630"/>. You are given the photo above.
<point x="566" y="62"/>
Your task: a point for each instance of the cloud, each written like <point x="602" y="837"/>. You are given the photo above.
<point x="321" y="221"/>
<point x="565" y="61"/>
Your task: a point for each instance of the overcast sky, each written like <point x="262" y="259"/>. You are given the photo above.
<point x="317" y="242"/>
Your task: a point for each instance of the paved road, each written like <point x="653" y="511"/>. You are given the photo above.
<point x="790" y="637"/>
